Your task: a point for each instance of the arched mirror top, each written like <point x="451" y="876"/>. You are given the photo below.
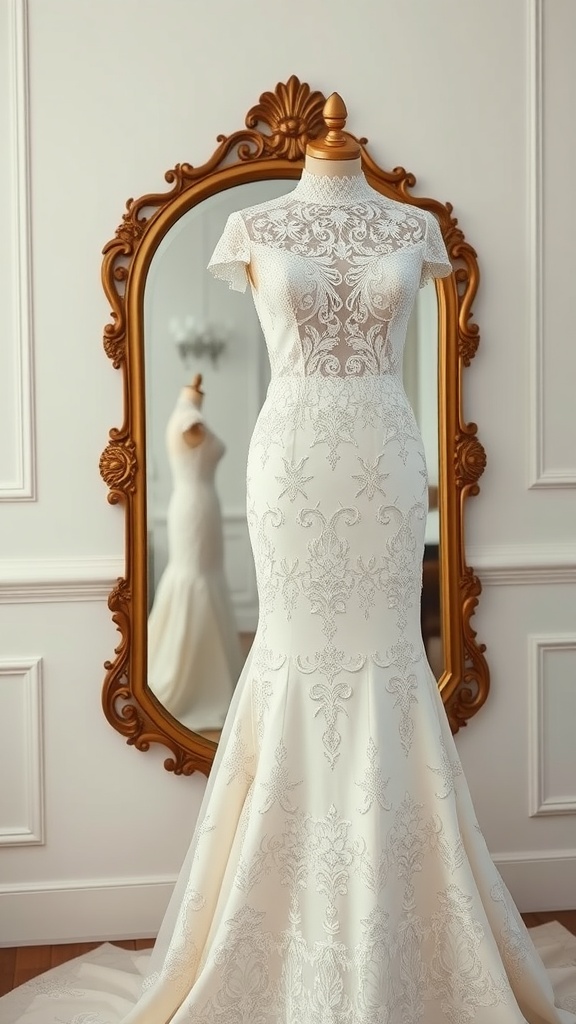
<point x="272" y="146"/>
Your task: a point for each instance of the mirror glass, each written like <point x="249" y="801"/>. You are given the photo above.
<point x="202" y="598"/>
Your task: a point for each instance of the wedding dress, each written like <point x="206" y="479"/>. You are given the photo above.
<point x="194" y="655"/>
<point x="337" y="874"/>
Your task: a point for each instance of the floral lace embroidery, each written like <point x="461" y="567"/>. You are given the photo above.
<point x="345" y="848"/>
<point x="457" y="971"/>
<point x="448" y="771"/>
<point x="294" y="481"/>
<point x="330" y="696"/>
<point x="338" y="266"/>
<point x="278" y="785"/>
<point x="373" y="784"/>
<point x="239" y="761"/>
<point x="513" y="940"/>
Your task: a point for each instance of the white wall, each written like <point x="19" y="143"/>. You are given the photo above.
<point x="120" y="92"/>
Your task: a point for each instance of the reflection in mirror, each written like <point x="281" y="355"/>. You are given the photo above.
<point x="194" y="656"/>
<point x="202" y="597"/>
<point x="420" y="375"/>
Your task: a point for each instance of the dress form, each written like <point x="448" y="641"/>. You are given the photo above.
<point x="336" y="154"/>
<point x="195" y="434"/>
<point x="332" y="168"/>
<point x="194" y="656"/>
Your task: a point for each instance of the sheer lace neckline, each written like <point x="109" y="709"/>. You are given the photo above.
<point x="328" y="190"/>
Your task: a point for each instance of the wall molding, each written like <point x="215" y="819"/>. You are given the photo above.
<point x="32" y="832"/>
<point x="539" y="880"/>
<point x="86" y="885"/>
<point x="23" y="486"/>
<point x="535" y="243"/>
<point x="82" y="911"/>
<point x="62" y="911"/>
<point x="532" y="856"/>
<point x="540" y="476"/>
<point x="32" y="581"/>
<point x="524" y="564"/>
<point x="539" y="646"/>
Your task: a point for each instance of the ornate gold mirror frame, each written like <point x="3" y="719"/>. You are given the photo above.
<point x="293" y="115"/>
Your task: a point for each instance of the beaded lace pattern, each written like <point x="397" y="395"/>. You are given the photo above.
<point x="337" y="266"/>
<point x="337" y="875"/>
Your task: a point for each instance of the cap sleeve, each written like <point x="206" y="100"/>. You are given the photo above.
<point x="436" y="262"/>
<point x="232" y="254"/>
<point x="188" y="416"/>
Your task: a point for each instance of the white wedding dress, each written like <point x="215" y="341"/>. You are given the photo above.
<point x="194" y="654"/>
<point x="337" y="874"/>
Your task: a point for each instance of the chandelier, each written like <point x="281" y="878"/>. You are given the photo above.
<point x="199" y="339"/>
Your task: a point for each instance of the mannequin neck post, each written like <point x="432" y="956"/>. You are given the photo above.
<point x="333" y="168"/>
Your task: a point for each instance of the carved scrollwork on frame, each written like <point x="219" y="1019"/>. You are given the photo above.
<point x="118" y="468"/>
<point x="469" y="461"/>
<point x="272" y="145"/>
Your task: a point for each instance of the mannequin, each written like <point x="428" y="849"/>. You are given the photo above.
<point x="195" y="434"/>
<point x="335" y="154"/>
<point x="194" y="655"/>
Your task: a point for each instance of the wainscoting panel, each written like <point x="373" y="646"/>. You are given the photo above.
<point x="551" y="227"/>
<point x="21" y="762"/>
<point x="17" y="470"/>
<point x="552" y="668"/>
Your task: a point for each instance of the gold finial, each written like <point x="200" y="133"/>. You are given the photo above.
<point x="336" y="144"/>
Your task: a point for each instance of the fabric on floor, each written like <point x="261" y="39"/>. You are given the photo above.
<point x="108" y="980"/>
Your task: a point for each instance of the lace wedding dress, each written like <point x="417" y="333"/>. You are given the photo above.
<point x="337" y="874"/>
<point x="194" y="655"/>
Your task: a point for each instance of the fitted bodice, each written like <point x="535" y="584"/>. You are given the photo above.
<point x="337" y="267"/>
<point x="191" y="465"/>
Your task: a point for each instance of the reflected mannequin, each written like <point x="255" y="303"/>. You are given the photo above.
<point x="194" y="656"/>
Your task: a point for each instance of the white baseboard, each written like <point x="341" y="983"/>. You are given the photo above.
<point x="33" y="915"/>
<point x="98" y="911"/>
<point x="540" y="881"/>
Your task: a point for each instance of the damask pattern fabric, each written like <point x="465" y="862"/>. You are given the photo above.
<point x="337" y="874"/>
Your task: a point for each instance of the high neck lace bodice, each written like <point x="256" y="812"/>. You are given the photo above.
<point x="337" y="267"/>
<point x="329" y="190"/>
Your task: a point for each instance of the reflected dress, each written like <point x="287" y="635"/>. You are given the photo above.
<point x="338" y="874"/>
<point x="194" y="655"/>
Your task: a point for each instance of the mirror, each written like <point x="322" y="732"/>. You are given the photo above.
<point x="185" y="636"/>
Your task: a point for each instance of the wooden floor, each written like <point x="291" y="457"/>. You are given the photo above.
<point x="18" y="965"/>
